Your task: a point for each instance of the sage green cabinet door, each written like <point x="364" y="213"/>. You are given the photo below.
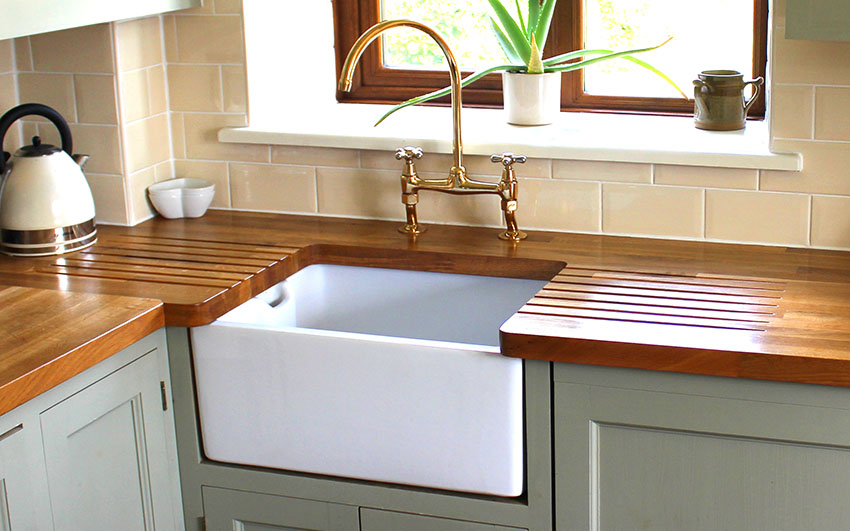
<point x="378" y="520"/>
<point x="106" y="454"/>
<point x="676" y="457"/>
<point x="226" y="510"/>
<point x="18" y="505"/>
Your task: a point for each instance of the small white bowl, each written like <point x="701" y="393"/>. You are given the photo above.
<point x="182" y="198"/>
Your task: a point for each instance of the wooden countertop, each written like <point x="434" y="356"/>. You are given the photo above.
<point x="706" y="308"/>
<point x="49" y="336"/>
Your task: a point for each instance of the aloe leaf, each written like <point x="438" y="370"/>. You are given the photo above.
<point x="543" y="23"/>
<point x="472" y="78"/>
<point x="521" y="21"/>
<point x="512" y="31"/>
<point x="533" y="15"/>
<point x="535" y="65"/>
<point x="552" y="64"/>
<point x="510" y="53"/>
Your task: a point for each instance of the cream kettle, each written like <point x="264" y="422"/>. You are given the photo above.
<point x="46" y="205"/>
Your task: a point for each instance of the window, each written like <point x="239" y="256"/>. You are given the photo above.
<point x="406" y="64"/>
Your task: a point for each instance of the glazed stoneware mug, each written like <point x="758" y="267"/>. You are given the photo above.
<point x="719" y="100"/>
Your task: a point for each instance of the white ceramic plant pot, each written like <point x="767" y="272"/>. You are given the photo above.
<point x="531" y="99"/>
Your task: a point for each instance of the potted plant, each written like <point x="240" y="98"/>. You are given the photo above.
<point x="531" y="84"/>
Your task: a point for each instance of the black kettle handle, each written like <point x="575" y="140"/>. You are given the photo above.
<point x="28" y="109"/>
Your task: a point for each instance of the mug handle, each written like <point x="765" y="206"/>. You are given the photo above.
<point x="756" y="83"/>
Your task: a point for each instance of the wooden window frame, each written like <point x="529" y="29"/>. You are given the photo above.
<point x="375" y="83"/>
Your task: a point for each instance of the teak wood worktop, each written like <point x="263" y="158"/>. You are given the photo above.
<point x="769" y="313"/>
<point x="48" y="336"/>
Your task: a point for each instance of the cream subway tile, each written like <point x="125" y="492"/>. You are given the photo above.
<point x="385" y="160"/>
<point x="706" y="177"/>
<point x="315" y="156"/>
<point x="811" y="62"/>
<point x="234" y="89"/>
<point x="135" y="95"/>
<point x="206" y="8"/>
<point x="80" y="50"/>
<point x="361" y="193"/>
<point x="203" y="39"/>
<point x="228" y="7"/>
<point x="480" y="165"/>
<point x="139" y="43"/>
<point x="791" y="111"/>
<point x="8" y="95"/>
<point x="587" y="170"/>
<point x="169" y="37"/>
<point x="48" y="133"/>
<point x="824" y="171"/>
<point x="137" y="188"/>
<point x="831" y="222"/>
<point x="273" y="188"/>
<point x="147" y="142"/>
<point x="652" y="210"/>
<point x="164" y="171"/>
<point x="109" y="202"/>
<point x="202" y="139"/>
<point x="559" y="205"/>
<point x="7" y="56"/>
<point x="54" y="90"/>
<point x="157" y="88"/>
<point x="757" y="217"/>
<point x="215" y="172"/>
<point x="100" y="142"/>
<point x="96" y="98"/>
<point x="194" y="88"/>
<point x="23" y="55"/>
<point x="440" y="207"/>
<point x="832" y="113"/>
<point x="178" y="138"/>
<point x="29" y="129"/>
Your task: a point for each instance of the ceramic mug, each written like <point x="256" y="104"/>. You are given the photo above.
<point x="719" y="101"/>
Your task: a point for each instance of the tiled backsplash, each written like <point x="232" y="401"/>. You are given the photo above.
<point x="125" y="95"/>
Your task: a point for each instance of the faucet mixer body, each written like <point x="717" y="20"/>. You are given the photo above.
<point x="457" y="181"/>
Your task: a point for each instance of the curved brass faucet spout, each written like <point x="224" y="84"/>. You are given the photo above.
<point x="454" y="71"/>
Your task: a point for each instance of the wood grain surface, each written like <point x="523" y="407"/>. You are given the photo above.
<point x="708" y="308"/>
<point x="49" y="336"/>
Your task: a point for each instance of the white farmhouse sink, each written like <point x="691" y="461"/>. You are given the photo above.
<point x="367" y="373"/>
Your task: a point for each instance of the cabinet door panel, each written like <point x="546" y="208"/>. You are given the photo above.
<point x="98" y="444"/>
<point x="17" y="507"/>
<point x="249" y="511"/>
<point x="638" y="459"/>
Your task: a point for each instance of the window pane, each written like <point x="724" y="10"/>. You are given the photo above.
<point x="706" y="36"/>
<point x="463" y="23"/>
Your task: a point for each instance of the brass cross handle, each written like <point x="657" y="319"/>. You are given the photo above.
<point x="409" y="153"/>
<point x="508" y="159"/>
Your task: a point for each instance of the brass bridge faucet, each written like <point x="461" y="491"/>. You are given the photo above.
<point x="457" y="181"/>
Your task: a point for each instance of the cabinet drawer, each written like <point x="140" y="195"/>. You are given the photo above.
<point x="377" y="520"/>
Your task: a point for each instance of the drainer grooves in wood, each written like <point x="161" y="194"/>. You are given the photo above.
<point x="578" y="294"/>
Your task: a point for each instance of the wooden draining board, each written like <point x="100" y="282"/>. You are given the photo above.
<point x="198" y="277"/>
<point x="740" y="326"/>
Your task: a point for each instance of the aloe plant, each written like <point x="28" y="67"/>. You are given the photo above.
<point x="522" y="43"/>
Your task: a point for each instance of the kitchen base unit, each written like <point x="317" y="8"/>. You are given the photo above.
<point x="97" y="451"/>
<point x="221" y="495"/>
<point x="650" y="450"/>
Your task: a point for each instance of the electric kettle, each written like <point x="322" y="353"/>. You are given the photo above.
<point x="46" y="206"/>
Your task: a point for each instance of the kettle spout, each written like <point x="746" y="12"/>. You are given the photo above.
<point x="80" y="160"/>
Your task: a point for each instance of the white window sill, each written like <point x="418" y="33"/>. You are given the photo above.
<point x="576" y="136"/>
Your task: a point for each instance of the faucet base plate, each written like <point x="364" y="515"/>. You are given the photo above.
<point x="513" y="235"/>
<point x="412" y="229"/>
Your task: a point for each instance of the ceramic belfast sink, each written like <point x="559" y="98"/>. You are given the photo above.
<point x="368" y="373"/>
